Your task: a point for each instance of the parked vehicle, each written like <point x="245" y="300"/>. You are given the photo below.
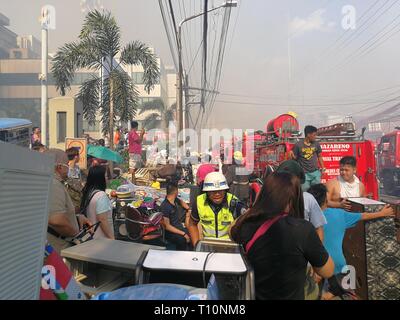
<point x="16" y="131"/>
<point x="389" y="162"/>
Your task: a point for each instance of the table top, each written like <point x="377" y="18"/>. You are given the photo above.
<point x="114" y="253"/>
<point x="365" y="201"/>
<point x="194" y="261"/>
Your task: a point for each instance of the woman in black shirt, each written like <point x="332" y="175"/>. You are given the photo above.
<point x="280" y="254"/>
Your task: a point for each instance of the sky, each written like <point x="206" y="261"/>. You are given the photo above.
<point x="287" y="55"/>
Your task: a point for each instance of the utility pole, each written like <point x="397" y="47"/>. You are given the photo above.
<point x="47" y="20"/>
<point x="186" y="111"/>
<point x="43" y="79"/>
<point x="179" y="76"/>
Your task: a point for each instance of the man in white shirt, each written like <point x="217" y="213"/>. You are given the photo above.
<point x="346" y="185"/>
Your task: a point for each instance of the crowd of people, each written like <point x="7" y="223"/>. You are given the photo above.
<point x="292" y="234"/>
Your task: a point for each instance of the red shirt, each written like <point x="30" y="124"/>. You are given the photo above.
<point x="135" y="143"/>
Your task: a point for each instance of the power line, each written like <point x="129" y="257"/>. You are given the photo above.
<point x="356" y="53"/>
<point x="224" y="33"/>
<point x="204" y="60"/>
<point x="360" y="31"/>
<point x="194" y="59"/>
<point x="303" y="105"/>
<point x="324" y="98"/>
<point x="170" y="42"/>
<point x="328" y="50"/>
<point x="375" y="106"/>
<point x="368" y="50"/>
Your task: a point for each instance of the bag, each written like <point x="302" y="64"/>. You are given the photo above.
<point x="87" y="202"/>
<point x="262" y="230"/>
<point x="336" y="288"/>
<point x="85" y="234"/>
<point x="311" y="288"/>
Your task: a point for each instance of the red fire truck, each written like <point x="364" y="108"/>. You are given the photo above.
<point x="336" y="142"/>
<point x="389" y="162"/>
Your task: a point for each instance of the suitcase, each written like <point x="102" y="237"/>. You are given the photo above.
<point x="372" y="248"/>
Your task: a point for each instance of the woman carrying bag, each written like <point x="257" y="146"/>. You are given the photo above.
<point x="279" y="242"/>
<point x="96" y="205"/>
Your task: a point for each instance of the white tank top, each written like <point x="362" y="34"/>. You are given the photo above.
<point x="349" y="190"/>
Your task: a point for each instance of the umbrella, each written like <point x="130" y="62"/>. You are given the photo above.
<point x="104" y="153"/>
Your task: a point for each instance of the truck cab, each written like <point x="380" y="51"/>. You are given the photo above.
<point x="389" y="162"/>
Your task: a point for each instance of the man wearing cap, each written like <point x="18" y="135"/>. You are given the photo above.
<point x="215" y="209"/>
<point x="63" y="222"/>
<point x="237" y="177"/>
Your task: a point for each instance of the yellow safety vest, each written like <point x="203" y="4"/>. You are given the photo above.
<point x="214" y="226"/>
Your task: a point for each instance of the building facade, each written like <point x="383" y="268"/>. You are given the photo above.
<point x="20" y="87"/>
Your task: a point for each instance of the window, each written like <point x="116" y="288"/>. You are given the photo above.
<point x="137" y="77"/>
<point x="61" y="126"/>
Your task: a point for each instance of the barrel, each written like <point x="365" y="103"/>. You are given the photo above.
<point x="283" y="126"/>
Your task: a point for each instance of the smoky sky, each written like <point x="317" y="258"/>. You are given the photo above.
<point x="282" y="56"/>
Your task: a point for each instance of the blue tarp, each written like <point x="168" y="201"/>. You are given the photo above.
<point x="150" y="292"/>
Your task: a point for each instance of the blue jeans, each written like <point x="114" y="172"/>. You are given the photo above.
<point x="311" y="179"/>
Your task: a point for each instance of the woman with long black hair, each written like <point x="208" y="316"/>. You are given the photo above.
<point x="95" y="203"/>
<point x="279" y="242"/>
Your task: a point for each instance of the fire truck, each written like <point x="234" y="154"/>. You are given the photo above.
<point x="336" y="141"/>
<point x="389" y="162"/>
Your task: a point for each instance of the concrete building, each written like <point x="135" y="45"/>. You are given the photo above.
<point x="162" y="90"/>
<point x="20" y="92"/>
<point x="8" y="39"/>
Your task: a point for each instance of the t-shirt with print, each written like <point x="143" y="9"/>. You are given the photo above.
<point x="307" y="155"/>
<point x="338" y="221"/>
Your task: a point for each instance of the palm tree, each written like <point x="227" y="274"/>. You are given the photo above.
<point x="114" y="94"/>
<point x="159" y="111"/>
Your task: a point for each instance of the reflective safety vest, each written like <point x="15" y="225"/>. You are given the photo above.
<point x="215" y="225"/>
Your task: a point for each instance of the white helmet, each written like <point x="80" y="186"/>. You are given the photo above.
<point x="215" y="181"/>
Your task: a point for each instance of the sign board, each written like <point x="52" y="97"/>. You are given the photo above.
<point x="81" y="145"/>
<point x="333" y="152"/>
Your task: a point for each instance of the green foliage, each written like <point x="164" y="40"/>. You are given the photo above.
<point x="98" y="45"/>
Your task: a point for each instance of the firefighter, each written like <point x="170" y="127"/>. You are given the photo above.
<point x="215" y="209"/>
<point x="237" y="177"/>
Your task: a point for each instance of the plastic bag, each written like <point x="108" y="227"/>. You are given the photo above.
<point x="148" y="292"/>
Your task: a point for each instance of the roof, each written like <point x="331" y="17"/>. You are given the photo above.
<point x="8" y="123"/>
